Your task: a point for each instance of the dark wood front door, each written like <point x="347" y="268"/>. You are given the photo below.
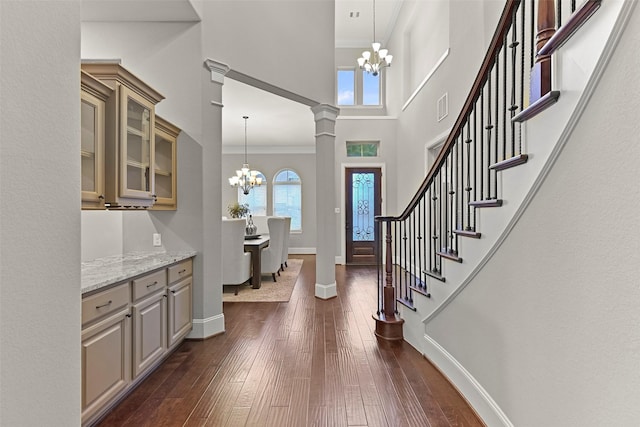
<point x="362" y="204"/>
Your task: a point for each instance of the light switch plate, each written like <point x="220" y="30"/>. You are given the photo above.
<point x="157" y="239"/>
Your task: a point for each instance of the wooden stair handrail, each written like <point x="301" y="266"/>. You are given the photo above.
<point x="504" y="24"/>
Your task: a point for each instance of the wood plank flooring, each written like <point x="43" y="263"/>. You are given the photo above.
<point x="307" y="362"/>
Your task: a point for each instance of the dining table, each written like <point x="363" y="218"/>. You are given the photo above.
<point x="254" y="245"/>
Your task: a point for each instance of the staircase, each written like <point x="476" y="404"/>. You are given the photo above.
<point x="435" y="247"/>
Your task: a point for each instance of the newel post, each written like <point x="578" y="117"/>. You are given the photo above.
<point x="541" y="72"/>
<point x="388" y="323"/>
<point x="388" y="294"/>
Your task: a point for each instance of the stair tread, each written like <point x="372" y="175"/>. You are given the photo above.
<point x="406" y="302"/>
<point x="468" y="233"/>
<point x="488" y="203"/>
<point x="448" y="255"/>
<point x="537" y="107"/>
<point x="435" y="275"/>
<point x="421" y="290"/>
<point x="510" y="162"/>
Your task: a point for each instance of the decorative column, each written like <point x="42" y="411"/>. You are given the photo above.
<point x="208" y="318"/>
<point x="325" y="117"/>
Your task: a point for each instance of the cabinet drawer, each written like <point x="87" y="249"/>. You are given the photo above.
<point x="149" y="284"/>
<point x="103" y="303"/>
<point x="178" y="271"/>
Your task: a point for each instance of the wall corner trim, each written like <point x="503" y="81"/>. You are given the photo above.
<point x="326" y="291"/>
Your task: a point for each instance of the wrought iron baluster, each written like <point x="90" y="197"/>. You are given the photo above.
<point x="481" y="169"/>
<point x="468" y="187"/>
<point x="475" y="160"/>
<point x="512" y="109"/>
<point x="496" y="143"/>
<point x="522" y="67"/>
<point x="432" y="232"/>
<point x="559" y="13"/>
<point x="504" y="97"/>
<point x="488" y="128"/>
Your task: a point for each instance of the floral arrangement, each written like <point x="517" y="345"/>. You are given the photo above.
<point x="237" y="210"/>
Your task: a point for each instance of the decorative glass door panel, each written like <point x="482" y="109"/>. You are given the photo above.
<point x="362" y="207"/>
<point x="363" y="202"/>
<point x="137" y="146"/>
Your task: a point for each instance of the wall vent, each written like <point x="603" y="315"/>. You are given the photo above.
<point x="443" y="107"/>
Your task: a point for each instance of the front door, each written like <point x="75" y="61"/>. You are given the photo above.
<point x="363" y="202"/>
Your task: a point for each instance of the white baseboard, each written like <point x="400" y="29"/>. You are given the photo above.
<point x="476" y="395"/>
<point x="302" y="251"/>
<point x="340" y="260"/>
<point x="205" y="328"/>
<point x="326" y="291"/>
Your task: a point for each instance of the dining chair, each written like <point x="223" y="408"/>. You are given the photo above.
<point x="236" y="263"/>
<point x="285" y="243"/>
<point x="272" y="254"/>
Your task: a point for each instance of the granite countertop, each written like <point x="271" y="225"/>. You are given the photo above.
<point x="106" y="271"/>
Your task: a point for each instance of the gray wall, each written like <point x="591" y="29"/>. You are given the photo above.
<point x="40" y="213"/>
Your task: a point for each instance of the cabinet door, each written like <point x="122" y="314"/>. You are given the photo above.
<point x="136" y="146"/>
<point x="166" y="136"/>
<point x="106" y="361"/>
<point x="149" y="332"/>
<point x="180" y="316"/>
<point x="92" y="110"/>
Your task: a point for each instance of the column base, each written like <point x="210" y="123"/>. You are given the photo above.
<point x="205" y="328"/>
<point x="326" y="291"/>
<point x="388" y="328"/>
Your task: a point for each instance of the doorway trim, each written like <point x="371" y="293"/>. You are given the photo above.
<point x="342" y="257"/>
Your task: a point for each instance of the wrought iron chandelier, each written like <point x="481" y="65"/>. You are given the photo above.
<point x="377" y="59"/>
<point x="245" y="178"/>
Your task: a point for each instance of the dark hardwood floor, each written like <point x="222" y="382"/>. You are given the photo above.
<point x="307" y="362"/>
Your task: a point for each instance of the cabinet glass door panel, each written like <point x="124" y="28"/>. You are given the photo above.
<point x="136" y="174"/>
<point x="92" y="111"/>
<point x="88" y="119"/>
<point x="164" y="159"/>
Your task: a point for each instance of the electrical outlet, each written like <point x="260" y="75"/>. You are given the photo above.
<point x="157" y="239"/>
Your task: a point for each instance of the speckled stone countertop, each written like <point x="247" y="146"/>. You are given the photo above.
<point x="106" y="271"/>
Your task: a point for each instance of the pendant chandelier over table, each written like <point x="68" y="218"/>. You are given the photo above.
<point x="245" y="178"/>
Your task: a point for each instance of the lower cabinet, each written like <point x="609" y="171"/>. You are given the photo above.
<point x="106" y="361"/>
<point x="149" y="332"/>
<point x="180" y="316"/>
<point x="128" y="329"/>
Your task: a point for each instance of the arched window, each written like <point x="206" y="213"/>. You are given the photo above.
<point x="257" y="197"/>
<point x="287" y="197"/>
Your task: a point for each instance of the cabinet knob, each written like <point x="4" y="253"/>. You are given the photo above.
<point x="128" y="315"/>
<point x="152" y="284"/>
<point x="101" y="197"/>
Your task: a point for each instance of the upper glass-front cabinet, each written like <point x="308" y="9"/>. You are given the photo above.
<point x="93" y="97"/>
<point x="137" y="145"/>
<point x="165" y="165"/>
<point x="129" y="136"/>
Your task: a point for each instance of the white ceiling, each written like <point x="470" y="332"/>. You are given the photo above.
<point x="275" y="124"/>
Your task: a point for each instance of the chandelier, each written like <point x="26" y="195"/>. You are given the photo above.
<point x="373" y="62"/>
<point x="245" y="178"/>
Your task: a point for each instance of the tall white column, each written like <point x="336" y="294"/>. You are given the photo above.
<point x="207" y="297"/>
<point x="325" y="117"/>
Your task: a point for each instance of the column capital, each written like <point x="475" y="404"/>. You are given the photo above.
<point x="325" y="111"/>
<point x="218" y="70"/>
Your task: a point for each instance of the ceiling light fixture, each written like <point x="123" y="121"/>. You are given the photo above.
<point x="245" y="178"/>
<point x="374" y="61"/>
